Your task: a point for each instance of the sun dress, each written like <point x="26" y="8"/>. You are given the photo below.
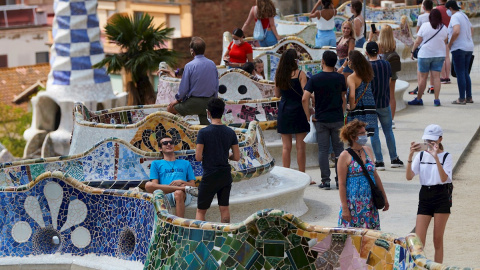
<point x="359" y="197"/>
<point x="291" y="118"/>
<point x="365" y="109"/>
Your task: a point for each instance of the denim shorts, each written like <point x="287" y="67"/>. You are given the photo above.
<point x="269" y="40"/>
<point x="431" y="63"/>
<point x="340" y="63"/>
<point x="325" y="38"/>
<point x="171" y="199"/>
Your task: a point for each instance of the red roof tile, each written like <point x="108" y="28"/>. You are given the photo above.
<point x="15" y="80"/>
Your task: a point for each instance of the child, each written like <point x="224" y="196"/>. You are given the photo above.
<point x="258" y="71"/>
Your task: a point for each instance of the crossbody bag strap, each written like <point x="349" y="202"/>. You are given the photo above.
<point x="433" y="35"/>
<point x="360" y="97"/>
<point x="360" y="162"/>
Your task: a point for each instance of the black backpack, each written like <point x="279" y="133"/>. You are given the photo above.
<point x="394" y="59"/>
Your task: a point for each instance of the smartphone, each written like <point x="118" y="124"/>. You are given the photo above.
<point x="423" y="146"/>
<point x="374" y="29"/>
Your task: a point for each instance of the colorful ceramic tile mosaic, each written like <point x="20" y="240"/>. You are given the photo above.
<point x="57" y="214"/>
<point x="273" y="239"/>
<point x="115" y="163"/>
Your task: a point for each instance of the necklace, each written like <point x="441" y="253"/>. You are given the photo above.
<point x="359" y="151"/>
<point x="171" y="167"/>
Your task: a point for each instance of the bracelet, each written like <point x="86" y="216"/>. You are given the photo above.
<point x="409" y="161"/>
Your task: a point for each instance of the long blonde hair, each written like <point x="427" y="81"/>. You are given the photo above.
<point x="265" y="9"/>
<point x="352" y="31"/>
<point x="386" y="40"/>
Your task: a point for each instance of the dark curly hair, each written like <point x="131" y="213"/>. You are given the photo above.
<point x="350" y="130"/>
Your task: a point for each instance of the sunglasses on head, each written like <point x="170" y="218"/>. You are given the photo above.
<point x="167" y="142"/>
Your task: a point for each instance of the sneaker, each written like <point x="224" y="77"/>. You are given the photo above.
<point x="393" y="124"/>
<point x="431" y="90"/>
<point x="191" y="190"/>
<point x="436" y="102"/>
<point x="413" y="92"/>
<point x="396" y="163"/>
<point x="446" y="81"/>
<point x="416" y="101"/>
<point x="442" y="80"/>
<point x="469" y="100"/>
<point x="380" y="166"/>
<point x="324" y="185"/>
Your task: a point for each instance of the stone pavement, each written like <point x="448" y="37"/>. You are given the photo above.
<point x="459" y="122"/>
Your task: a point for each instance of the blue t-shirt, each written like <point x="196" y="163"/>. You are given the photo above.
<point x="168" y="171"/>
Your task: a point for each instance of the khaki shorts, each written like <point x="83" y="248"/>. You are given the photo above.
<point x="194" y="106"/>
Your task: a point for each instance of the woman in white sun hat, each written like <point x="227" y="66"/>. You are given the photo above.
<point x="434" y="167"/>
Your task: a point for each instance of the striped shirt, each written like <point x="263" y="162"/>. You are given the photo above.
<point x="381" y="83"/>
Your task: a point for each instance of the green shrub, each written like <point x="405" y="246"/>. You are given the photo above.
<point x="13" y="122"/>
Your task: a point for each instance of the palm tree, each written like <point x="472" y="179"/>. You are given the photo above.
<point x="142" y="48"/>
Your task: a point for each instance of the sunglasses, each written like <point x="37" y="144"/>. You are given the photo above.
<point x="167" y="143"/>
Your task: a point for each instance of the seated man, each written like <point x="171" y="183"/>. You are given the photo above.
<point x="174" y="177"/>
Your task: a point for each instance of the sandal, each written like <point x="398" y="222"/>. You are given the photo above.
<point x="313" y="182"/>
<point x="469" y="100"/>
<point x="459" y="102"/>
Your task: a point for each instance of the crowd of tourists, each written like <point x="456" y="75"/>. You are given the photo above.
<point x="345" y="104"/>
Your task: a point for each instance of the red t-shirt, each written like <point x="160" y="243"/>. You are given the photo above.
<point x="238" y="54"/>
<point x="445" y="17"/>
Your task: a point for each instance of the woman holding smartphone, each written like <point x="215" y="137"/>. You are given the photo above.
<point x="434" y="167"/>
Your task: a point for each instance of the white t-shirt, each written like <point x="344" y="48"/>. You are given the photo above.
<point x="423" y="19"/>
<point x="436" y="46"/>
<point x="464" y="40"/>
<point x="428" y="171"/>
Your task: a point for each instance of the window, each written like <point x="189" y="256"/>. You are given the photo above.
<point x="3" y="60"/>
<point x="41" y="57"/>
<point x="174" y="22"/>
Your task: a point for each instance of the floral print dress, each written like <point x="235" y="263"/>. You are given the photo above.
<point x="359" y="197"/>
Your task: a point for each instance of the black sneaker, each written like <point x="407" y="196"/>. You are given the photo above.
<point x="380" y="166"/>
<point x="324" y="185"/>
<point x="397" y="163"/>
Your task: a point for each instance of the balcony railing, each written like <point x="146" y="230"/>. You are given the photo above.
<point x="13" y="16"/>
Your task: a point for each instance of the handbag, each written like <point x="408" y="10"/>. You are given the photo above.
<point x="312" y="135"/>
<point x="415" y="52"/>
<point x="454" y="74"/>
<point x="356" y="102"/>
<point x="377" y="195"/>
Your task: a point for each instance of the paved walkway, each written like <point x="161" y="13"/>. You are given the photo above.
<point x="459" y="122"/>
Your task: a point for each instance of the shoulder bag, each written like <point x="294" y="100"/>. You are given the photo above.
<point x="415" y="52"/>
<point x="377" y="195"/>
<point x="258" y="32"/>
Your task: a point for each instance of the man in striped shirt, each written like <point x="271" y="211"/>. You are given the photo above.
<point x="381" y="92"/>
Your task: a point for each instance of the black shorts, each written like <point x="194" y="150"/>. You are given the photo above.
<point x="434" y="199"/>
<point x="219" y="183"/>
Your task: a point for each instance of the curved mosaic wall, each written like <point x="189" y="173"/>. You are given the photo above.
<point x="57" y="214"/>
<point x="116" y="163"/>
<point x="273" y="239"/>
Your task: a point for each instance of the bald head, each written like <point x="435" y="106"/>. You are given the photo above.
<point x="197" y="45"/>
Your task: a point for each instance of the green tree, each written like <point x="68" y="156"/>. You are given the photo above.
<point x="13" y="122"/>
<point x="142" y="49"/>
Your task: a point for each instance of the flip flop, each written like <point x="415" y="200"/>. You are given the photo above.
<point x="456" y="101"/>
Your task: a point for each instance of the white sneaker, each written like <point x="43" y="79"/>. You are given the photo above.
<point x="191" y="190"/>
<point x="393" y="124"/>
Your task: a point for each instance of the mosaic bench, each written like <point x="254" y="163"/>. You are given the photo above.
<point x="115" y="163"/>
<point x="274" y="239"/>
<point x="55" y="214"/>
